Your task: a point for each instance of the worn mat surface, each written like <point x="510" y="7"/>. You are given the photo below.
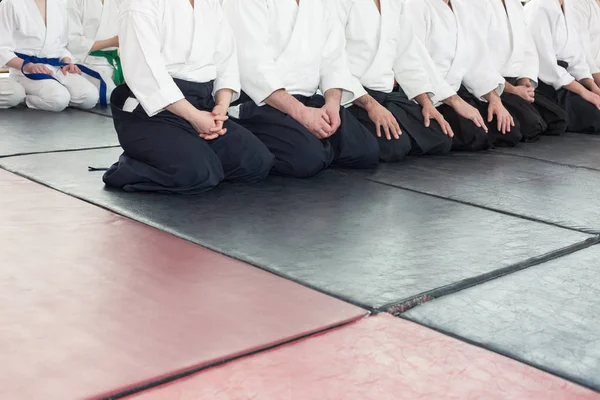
<point x="545" y="315"/>
<point x="365" y="242"/>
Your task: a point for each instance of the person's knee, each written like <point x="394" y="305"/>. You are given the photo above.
<point x="257" y="165"/>
<point x="304" y="163"/>
<point x="369" y="154"/>
<point x="86" y="97"/>
<point x="16" y="97"/>
<point x="443" y="146"/>
<point x="53" y="98"/>
<point x="394" y="150"/>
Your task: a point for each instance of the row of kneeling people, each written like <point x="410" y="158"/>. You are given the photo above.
<point x="238" y="90"/>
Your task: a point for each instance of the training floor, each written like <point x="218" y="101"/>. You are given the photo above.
<point x="468" y="276"/>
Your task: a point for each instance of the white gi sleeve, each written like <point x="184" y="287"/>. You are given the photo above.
<point x="581" y="14"/>
<point x="335" y="71"/>
<point x="226" y="61"/>
<point x="409" y="68"/>
<point x="249" y="21"/>
<point x="531" y="68"/>
<point x="79" y="45"/>
<point x="540" y="26"/>
<point x="420" y="22"/>
<point x="7" y="27"/>
<point x="143" y="67"/>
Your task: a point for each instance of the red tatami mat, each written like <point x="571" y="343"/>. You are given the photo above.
<point x="377" y="358"/>
<point x="92" y="303"/>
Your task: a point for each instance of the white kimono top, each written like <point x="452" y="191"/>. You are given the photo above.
<point x="165" y="39"/>
<point x="283" y="45"/>
<point x="509" y="42"/>
<point x="586" y="14"/>
<point x="379" y="48"/>
<point x="22" y="30"/>
<point x="556" y="40"/>
<point x="458" y="51"/>
<point x="90" y="21"/>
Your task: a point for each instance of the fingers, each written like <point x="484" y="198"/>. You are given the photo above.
<point x="478" y="119"/>
<point x="445" y="125"/>
<point x="490" y="114"/>
<point x="499" y="123"/>
<point x="378" y="129"/>
<point x="209" y="136"/>
<point x="386" y="129"/>
<point x="218" y="130"/>
<point x="326" y="117"/>
<point x="448" y="129"/>
<point x="221" y="118"/>
<point x="395" y="127"/>
<point x="427" y="118"/>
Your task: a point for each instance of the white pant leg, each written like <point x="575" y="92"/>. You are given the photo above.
<point x="106" y="72"/>
<point x="11" y="93"/>
<point x="46" y="95"/>
<point x="83" y="94"/>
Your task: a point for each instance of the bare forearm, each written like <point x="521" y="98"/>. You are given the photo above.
<point x="366" y="102"/>
<point x="182" y="108"/>
<point x="576" y="88"/>
<point x="452" y="101"/>
<point x="286" y="103"/>
<point x="424" y="100"/>
<point x="588" y="84"/>
<point x="103" y="44"/>
<point x="223" y="97"/>
<point x="333" y="97"/>
<point x="67" y="60"/>
<point x="16" y="63"/>
<point x="509" y="88"/>
<point x="492" y="97"/>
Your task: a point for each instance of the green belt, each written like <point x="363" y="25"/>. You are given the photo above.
<point x="112" y="56"/>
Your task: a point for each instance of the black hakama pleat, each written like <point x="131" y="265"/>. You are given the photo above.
<point x="582" y="116"/>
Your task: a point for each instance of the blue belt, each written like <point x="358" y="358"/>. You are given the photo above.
<point x="55" y="62"/>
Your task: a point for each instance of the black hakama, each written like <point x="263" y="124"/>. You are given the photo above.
<point x="416" y="139"/>
<point x="581" y="115"/>
<point x="543" y="117"/>
<point x="300" y="154"/>
<point x="469" y="137"/>
<point x="165" y="154"/>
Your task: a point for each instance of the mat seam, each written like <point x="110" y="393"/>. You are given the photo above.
<point x="192" y="371"/>
<point x="495" y="350"/>
<point x="58" y="151"/>
<point x="459" y="286"/>
<point x="466" y="203"/>
<point x="366" y="307"/>
<point x="546" y="161"/>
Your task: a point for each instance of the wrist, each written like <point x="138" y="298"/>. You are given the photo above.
<point x="298" y="112"/>
<point x="452" y="101"/>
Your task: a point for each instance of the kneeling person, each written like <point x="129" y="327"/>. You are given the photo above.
<point x="33" y="43"/>
<point x="181" y="74"/>
<point x="378" y="51"/>
<point x="288" y="51"/>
